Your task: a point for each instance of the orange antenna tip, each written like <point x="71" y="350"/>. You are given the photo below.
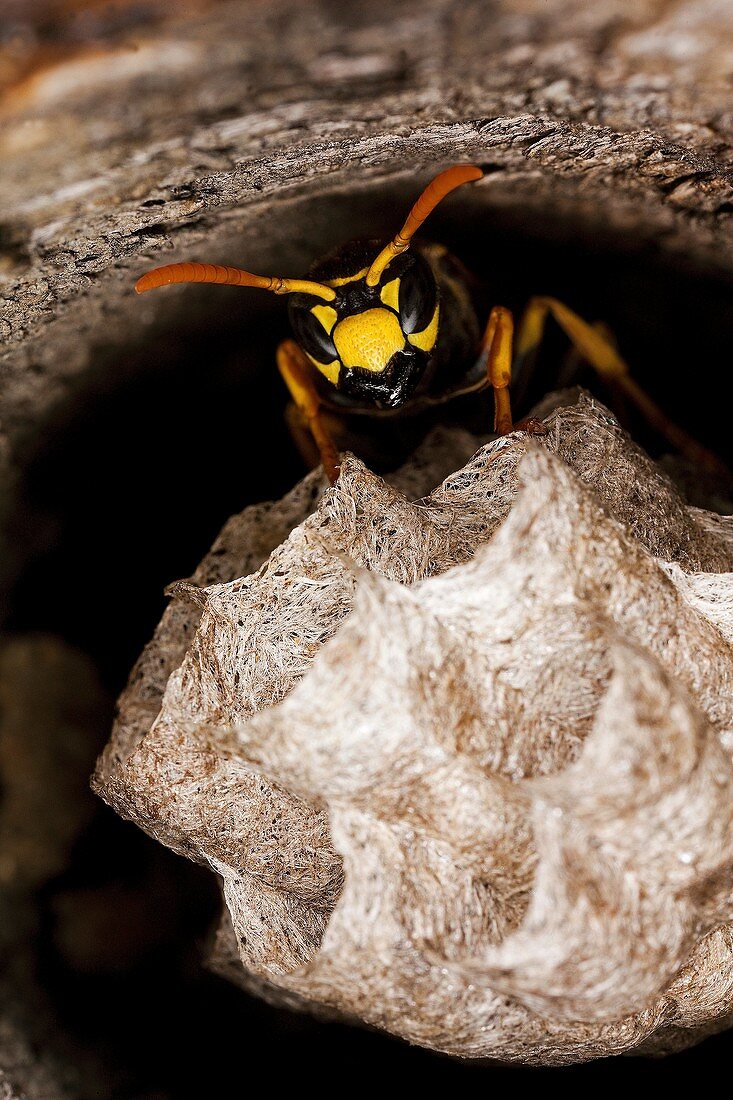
<point x="433" y="194"/>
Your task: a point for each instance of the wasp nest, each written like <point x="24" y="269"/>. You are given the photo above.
<point x="462" y="762"/>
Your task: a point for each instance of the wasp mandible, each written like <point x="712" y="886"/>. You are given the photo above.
<point x="393" y="328"/>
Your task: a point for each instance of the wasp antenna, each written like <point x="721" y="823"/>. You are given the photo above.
<point x="229" y="276"/>
<point x="433" y="194"/>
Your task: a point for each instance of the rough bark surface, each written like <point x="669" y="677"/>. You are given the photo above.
<point x="188" y="127"/>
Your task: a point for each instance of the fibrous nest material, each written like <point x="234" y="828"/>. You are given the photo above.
<point x="462" y="760"/>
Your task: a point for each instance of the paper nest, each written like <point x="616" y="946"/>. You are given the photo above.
<point x="463" y="761"/>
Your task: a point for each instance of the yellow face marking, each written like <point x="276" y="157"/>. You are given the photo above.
<point x="390" y="294"/>
<point x="328" y="370"/>
<point x="425" y="340"/>
<point x="326" y="315"/>
<point x="368" y="340"/>
<point x="348" y="278"/>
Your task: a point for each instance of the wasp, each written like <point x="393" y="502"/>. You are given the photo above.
<point x="387" y="328"/>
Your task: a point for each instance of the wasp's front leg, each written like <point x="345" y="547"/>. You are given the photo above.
<point x="497" y="345"/>
<point x="296" y="371"/>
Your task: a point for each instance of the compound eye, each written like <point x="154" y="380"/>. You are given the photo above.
<point x="418" y="297"/>
<point x="312" y="336"/>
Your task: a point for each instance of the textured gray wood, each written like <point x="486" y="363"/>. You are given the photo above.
<point x="182" y="133"/>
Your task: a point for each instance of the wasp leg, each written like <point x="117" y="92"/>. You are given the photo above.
<point x="573" y="362"/>
<point x="594" y="345"/>
<point x="497" y="344"/>
<point x="296" y="372"/>
<point x="301" y="436"/>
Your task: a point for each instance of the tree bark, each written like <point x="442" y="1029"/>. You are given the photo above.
<point x="172" y="136"/>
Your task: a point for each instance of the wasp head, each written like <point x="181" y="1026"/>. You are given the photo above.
<point x="372" y="343"/>
<point x="367" y="319"/>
